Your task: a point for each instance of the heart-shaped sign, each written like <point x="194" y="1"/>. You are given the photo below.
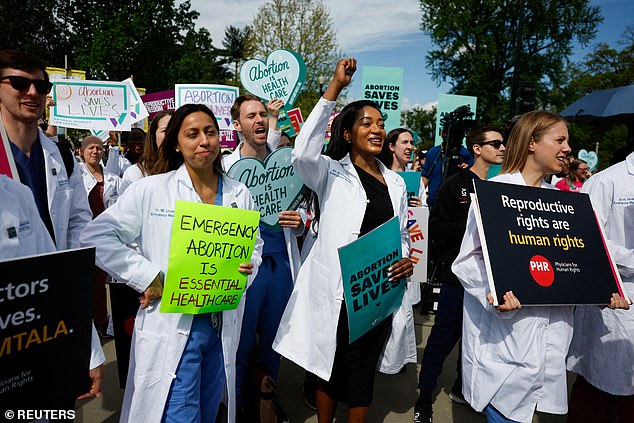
<point x="281" y="76"/>
<point x="589" y="157"/>
<point x="273" y="184"/>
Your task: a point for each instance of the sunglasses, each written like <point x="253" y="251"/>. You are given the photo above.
<point x="20" y="83"/>
<point x="495" y="143"/>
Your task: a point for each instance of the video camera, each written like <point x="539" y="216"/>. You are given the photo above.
<point x="454" y="126"/>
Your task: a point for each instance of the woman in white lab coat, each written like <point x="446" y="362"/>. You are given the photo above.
<point x="180" y="364"/>
<point x="514" y="359"/>
<point x="348" y="180"/>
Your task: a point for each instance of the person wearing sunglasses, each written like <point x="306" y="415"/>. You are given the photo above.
<point x="447" y="223"/>
<point x="573" y="181"/>
<point x="61" y="199"/>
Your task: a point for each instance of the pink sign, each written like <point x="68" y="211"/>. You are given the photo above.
<point x="156" y="102"/>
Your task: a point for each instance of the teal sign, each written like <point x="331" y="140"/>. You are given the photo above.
<point x="383" y="85"/>
<point x="273" y="184"/>
<point x="412" y="183"/>
<point x="447" y="103"/>
<point x="365" y="263"/>
<point x="282" y="75"/>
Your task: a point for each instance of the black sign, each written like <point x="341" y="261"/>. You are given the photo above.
<point x="544" y="245"/>
<point x="45" y="328"/>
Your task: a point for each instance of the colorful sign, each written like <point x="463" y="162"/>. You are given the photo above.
<point x="417" y="225"/>
<point x="57" y="74"/>
<point x="273" y="184"/>
<point x="219" y="98"/>
<point x="137" y="112"/>
<point x="290" y="122"/>
<point x="282" y="75"/>
<point x="383" y="85"/>
<point x="7" y="162"/>
<point x="45" y="328"/>
<point x="544" y="245"/>
<point x="208" y="245"/>
<point x="590" y="158"/>
<point x="91" y="105"/>
<point x="412" y="183"/>
<point x="447" y="103"/>
<point x="365" y="263"/>
<point x="160" y="101"/>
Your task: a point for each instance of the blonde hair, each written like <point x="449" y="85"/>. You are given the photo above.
<point x="530" y="126"/>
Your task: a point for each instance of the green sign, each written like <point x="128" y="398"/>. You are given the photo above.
<point x="447" y="103"/>
<point x="208" y="245"/>
<point x="281" y="75"/>
<point x="365" y="263"/>
<point x="273" y="184"/>
<point x="412" y="183"/>
<point x="383" y="85"/>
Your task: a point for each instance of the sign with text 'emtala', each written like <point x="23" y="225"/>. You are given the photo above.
<point x="207" y="247"/>
<point x="96" y="105"/>
<point x="281" y="75"/>
<point x="383" y="85"/>
<point x="45" y="328"/>
<point x="219" y="98"/>
<point x="544" y="245"/>
<point x="273" y="184"/>
<point x="447" y="103"/>
<point x="365" y="263"/>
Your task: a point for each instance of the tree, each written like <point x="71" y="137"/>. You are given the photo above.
<point x="423" y="122"/>
<point x="606" y="67"/>
<point x="476" y="40"/>
<point x="153" y="40"/>
<point x="305" y="27"/>
<point x="35" y="28"/>
<point x="237" y="48"/>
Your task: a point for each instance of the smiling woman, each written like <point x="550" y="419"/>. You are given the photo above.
<point x="181" y="365"/>
<point x="348" y="181"/>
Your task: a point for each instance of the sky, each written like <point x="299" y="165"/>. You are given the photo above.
<point x="377" y="35"/>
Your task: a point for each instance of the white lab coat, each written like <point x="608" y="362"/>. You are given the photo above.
<point x="69" y="211"/>
<point x="308" y="328"/>
<point x="290" y="234"/>
<point x="67" y="198"/>
<point x="111" y="184"/>
<point x="145" y="213"/>
<point x="117" y="163"/>
<point x="514" y="360"/>
<point x="602" y="349"/>
<point x="131" y="175"/>
<point x="22" y="232"/>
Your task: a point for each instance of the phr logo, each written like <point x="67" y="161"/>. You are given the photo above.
<point x="541" y="270"/>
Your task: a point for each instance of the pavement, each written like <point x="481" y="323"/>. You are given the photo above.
<point x="394" y="395"/>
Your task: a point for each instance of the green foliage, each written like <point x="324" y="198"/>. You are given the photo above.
<point x="305" y="27"/>
<point x="606" y="67"/>
<point x="237" y="49"/>
<point x="34" y="27"/>
<point x="423" y="122"/>
<point x="476" y="40"/>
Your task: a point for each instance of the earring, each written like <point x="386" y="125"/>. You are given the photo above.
<point x="178" y="150"/>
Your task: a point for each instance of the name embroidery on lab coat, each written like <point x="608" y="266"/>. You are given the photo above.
<point x="337" y="174"/>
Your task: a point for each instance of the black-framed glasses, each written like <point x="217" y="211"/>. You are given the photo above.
<point x="21" y="83"/>
<point x="494" y="143"/>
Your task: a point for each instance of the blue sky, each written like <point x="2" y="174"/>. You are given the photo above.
<point x="381" y="35"/>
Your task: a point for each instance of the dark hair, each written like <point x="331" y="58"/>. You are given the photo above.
<point x="386" y="156"/>
<point x="149" y="157"/>
<point x="168" y="158"/>
<point x="477" y="135"/>
<point x="235" y="108"/>
<point x="574" y="166"/>
<point x="338" y="147"/>
<point x="21" y="61"/>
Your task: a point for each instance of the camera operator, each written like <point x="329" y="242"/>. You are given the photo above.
<point x="447" y="158"/>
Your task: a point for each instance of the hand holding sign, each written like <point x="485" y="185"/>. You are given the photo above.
<point x="281" y="75"/>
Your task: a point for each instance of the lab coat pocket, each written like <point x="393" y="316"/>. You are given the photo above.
<point x="321" y="287"/>
<point x="60" y="210"/>
<point x="150" y="352"/>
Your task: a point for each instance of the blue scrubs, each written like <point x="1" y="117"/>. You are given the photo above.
<point x="266" y="300"/>
<point x="199" y="384"/>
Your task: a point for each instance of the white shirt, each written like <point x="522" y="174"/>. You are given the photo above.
<point x="602" y="349"/>
<point x="513" y="360"/>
